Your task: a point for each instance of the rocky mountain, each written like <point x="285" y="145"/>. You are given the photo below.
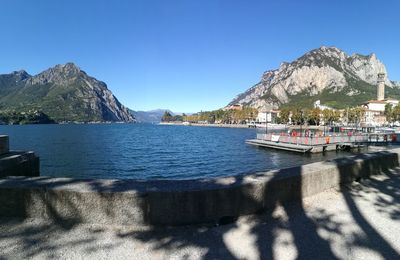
<point x="64" y="93"/>
<point x="152" y="116"/>
<point x="327" y="74"/>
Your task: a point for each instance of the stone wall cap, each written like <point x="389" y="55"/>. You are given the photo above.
<point x="149" y="186"/>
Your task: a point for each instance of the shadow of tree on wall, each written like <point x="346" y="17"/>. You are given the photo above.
<point x="211" y="239"/>
<point x="309" y="244"/>
<point x="36" y="238"/>
<point x="372" y="239"/>
<point x="307" y="241"/>
<point x="388" y="194"/>
<point x="39" y="237"/>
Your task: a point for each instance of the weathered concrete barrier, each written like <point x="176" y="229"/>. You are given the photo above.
<point x="169" y="202"/>
<point x="17" y="163"/>
<point x="4" y="144"/>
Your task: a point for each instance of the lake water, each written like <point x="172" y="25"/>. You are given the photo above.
<point x="145" y="151"/>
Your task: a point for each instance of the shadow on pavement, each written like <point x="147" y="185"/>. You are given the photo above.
<point x="211" y="240"/>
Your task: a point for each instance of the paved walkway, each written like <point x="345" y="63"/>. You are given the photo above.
<point x="362" y="222"/>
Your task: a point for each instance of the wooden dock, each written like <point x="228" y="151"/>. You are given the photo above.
<point x="280" y="146"/>
<point x="303" y="148"/>
<point x="308" y="144"/>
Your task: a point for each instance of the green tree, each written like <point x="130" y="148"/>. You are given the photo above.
<point x="167" y="117"/>
<point x="313" y="116"/>
<point x="284" y="116"/>
<point x="355" y="115"/>
<point x="298" y="116"/>
<point x="335" y="116"/>
<point x="389" y="112"/>
<point x="330" y="116"/>
<point x="396" y="113"/>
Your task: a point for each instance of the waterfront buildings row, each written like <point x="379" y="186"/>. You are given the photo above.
<point x="371" y="113"/>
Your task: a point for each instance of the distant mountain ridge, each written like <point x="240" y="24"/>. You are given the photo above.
<point x="327" y="74"/>
<point x="151" y="116"/>
<point x="64" y="93"/>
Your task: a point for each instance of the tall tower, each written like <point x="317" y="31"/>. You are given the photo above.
<point x="381" y="86"/>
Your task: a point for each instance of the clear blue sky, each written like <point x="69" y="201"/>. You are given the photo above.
<point x="189" y="55"/>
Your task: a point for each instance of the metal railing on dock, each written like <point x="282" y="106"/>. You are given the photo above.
<point x="327" y="139"/>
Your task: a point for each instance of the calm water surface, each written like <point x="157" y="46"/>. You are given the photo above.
<point x="145" y="151"/>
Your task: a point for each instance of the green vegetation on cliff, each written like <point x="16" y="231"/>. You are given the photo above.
<point x="64" y="93"/>
<point x="362" y="92"/>
<point x="19" y="118"/>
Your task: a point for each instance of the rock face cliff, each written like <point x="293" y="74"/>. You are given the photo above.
<point x="327" y="74"/>
<point x="64" y="93"/>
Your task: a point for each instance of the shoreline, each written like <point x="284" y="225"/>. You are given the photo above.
<point x="207" y="125"/>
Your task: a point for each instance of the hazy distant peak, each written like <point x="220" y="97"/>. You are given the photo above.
<point x="161" y="110"/>
<point x="151" y="116"/>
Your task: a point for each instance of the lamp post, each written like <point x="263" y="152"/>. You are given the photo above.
<point x="301" y="123"/>
<point x="266" y="123"/>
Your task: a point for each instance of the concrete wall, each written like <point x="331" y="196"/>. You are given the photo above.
<point x="4" y="144"/>
<point x="169" y="202"/>
<point x="17" y="163"/>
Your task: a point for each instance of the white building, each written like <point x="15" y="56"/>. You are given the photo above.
<point x="317" y="104"/>
<point x="267" y="116"/>
<point x="393" y="102"/>
<point x="375" y="105"/>
<point x="375" y="109"/>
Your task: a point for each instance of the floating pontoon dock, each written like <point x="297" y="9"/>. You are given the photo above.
<point x="316" y="144"/>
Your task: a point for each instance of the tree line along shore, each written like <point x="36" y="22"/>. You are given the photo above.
<point x="286" y="115"/>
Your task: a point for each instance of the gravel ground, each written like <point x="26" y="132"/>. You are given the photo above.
<point x="361" y="221"/>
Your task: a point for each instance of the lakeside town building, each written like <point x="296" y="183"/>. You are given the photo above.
<point x="267" y="116"/>
<point x="375" y="109"/>
<point x="317" y="104"/>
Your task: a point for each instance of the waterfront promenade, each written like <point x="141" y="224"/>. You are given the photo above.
<point x="359" y="221"/>
<point x="208" y="125"/>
